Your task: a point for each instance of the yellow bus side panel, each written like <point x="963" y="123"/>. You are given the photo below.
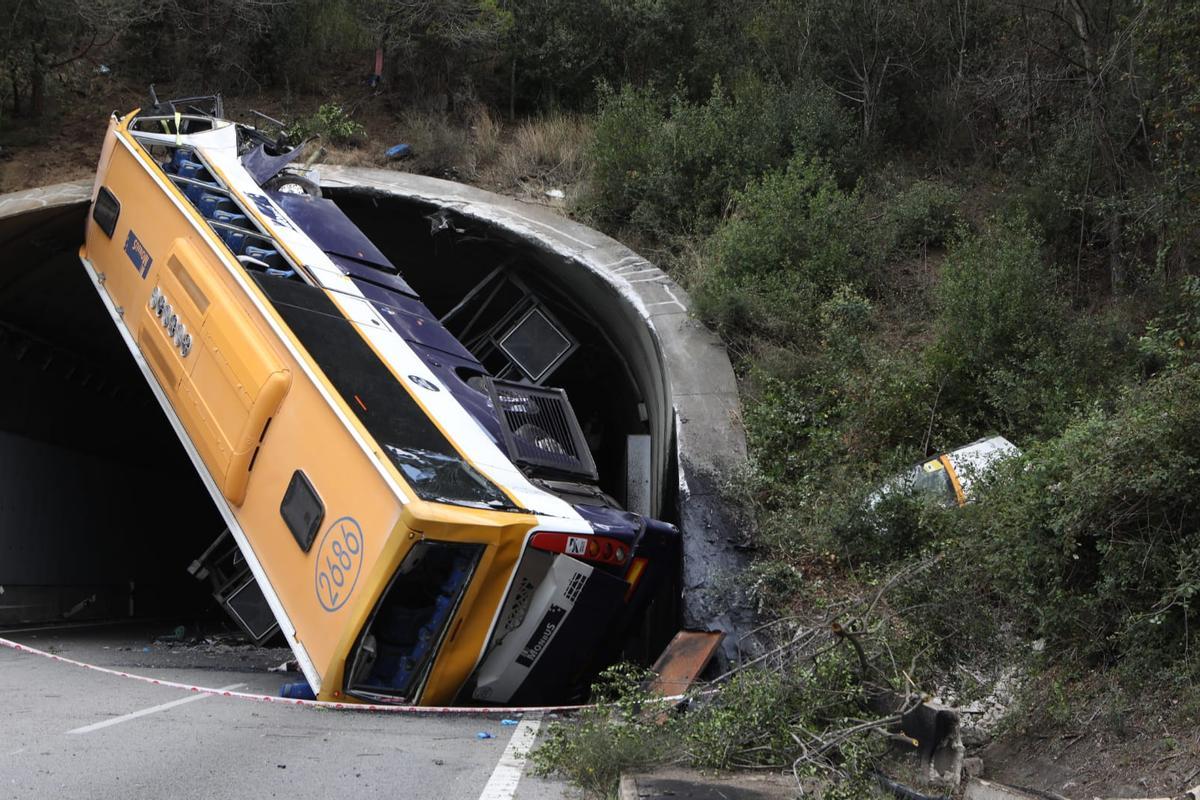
<point x="249" y="367"/>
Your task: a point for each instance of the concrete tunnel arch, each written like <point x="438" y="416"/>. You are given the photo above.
<point x="680" y="368"/>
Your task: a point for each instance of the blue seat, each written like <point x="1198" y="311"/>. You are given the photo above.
<point x="231" y="218"/>
<point x="178" y="158"/>
<point x="194" y="191"/>
<point x="268" y="255"/>
<point x="194" y="170"/>
<point x="209" y="204"/>
<point x="236" y="240"/>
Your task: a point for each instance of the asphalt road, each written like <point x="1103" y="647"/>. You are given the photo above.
<point x="69" y="732"/>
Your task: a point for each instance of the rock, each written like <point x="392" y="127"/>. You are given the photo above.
<point x="973" y="767"/>
<point x="974" y="737"/>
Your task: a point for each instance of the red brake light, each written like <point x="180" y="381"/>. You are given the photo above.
<point x="600" y="549"/>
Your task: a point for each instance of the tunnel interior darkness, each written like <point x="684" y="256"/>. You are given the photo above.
<point x="101" y="511"/>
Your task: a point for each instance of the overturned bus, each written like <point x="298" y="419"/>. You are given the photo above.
<point x="421" y="530"/>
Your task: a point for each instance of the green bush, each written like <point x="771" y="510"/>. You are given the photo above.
<point x="1094" y="537"/>
<point x="668" y="165"/>
<point x="921" y="215"/>
<point x="592" y="750"/>
<point x="1173" y="338"/>
<point x="792" y="241"/>
<point x="748" y="721"/>
<point x="1007" y="353"/>
<point x="332" y="123"/>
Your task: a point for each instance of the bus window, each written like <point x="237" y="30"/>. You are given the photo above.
<point x="420" y="451"/>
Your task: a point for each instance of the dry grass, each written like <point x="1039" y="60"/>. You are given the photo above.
<point x="525" y="160"/>
<point x="539" y="155"/>
<point x="368" y="155"/>
<point x="441" y="146"/>
<point x="487" y="139"/>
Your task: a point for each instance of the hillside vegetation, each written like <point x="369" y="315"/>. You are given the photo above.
<point x="913" y="223"/>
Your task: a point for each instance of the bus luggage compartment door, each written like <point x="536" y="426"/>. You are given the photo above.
<point x="228" y="381"/>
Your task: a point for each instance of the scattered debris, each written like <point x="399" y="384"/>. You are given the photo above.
<point x="484" y="735"/>
<point x="297" y="691"/>
<point x="399" y="151"/>
<point x="176" y="635"/>
<point x="904" y="792"/>
<point x="286" y="666"/>
<point x="556" y="194"/>
<point x="682" y="661"/>
<point x="508" y="722"/>
<point x="80" y="606"/>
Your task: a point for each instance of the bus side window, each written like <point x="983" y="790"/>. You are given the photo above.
<point x="302" y="510"/>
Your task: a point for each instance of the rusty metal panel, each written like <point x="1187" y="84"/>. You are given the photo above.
<point x="683" y="660"/>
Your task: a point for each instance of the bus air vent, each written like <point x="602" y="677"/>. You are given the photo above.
<point x="540" y="428"/>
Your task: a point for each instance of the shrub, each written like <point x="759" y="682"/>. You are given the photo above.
<point x="1095" y="535"/>
<point x="922" y="215"/>
<point x="667" y="164"/>
<point x="593" y="750"/>
<point x="440" y="145"/>
<point x="1173" y="338"/>
<point x="790" y="244"/>
<point x="748" y="721"/>
<point x="1006" y="352"/>
<point x="332" y="123"/>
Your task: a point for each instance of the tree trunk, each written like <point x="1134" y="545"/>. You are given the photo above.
<point x="512" y="91"/>
<point x="37" y="83"/>
<point x="16" y="93"/>
<point x="1110" y="168"/>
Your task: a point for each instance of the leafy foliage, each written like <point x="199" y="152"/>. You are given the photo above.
<point x="789" y="245"/>
<point x="750" y="722"/>
<point x="669" y="165"/>
<point x="1090" y="541"/>
<point x="332" y="123"/>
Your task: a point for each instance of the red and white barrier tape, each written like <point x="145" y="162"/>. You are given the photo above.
<point x="325" y="704"/>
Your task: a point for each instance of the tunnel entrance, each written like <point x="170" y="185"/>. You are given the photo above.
<point x="101" y="510"/>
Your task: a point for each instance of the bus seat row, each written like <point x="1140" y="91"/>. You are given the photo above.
<point x="216" y="206"/>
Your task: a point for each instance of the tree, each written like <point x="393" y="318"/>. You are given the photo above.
<point x="437" y="44"/>
<point x="42" y="36"/>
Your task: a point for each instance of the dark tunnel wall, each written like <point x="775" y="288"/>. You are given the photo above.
<point x="100" y="510"/>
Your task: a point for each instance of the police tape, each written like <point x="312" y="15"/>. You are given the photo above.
<point x="323" y="704"/>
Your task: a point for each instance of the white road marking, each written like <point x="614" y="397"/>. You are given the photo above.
<point x="507" y="774"/>
<point x="153" y="709"/>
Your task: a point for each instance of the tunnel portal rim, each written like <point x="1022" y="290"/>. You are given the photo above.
<point x="698" y="433"/>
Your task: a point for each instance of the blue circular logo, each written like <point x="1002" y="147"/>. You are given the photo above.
<point x="339" y="560"/>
